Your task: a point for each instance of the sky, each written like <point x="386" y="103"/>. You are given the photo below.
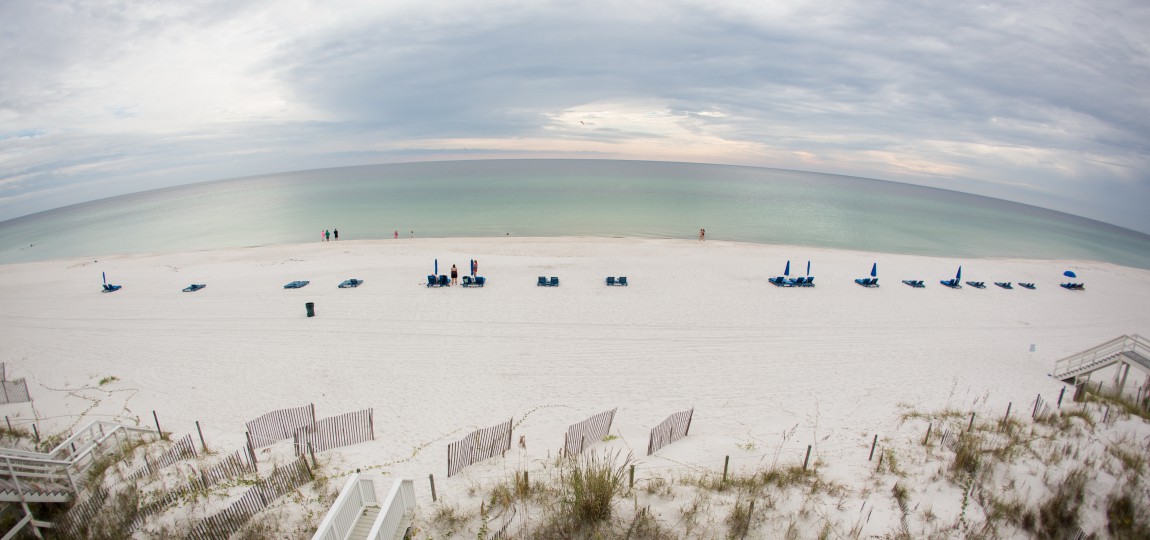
<point x="1041" y="102"/>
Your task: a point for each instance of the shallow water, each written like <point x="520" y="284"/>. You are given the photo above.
<point x="568" y="198"/>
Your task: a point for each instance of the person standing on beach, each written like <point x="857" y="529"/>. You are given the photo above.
<point x="337" y="234"/>
<point x="397" y="235"/>
<point x="454" y="275"/>
<point x="702" y="234"/>
<point x="326" y="235"/>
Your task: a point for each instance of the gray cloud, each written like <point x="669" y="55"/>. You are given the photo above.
<point x="1028" y="101"/>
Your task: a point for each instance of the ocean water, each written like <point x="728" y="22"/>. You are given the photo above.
<point x="567" y="198"/>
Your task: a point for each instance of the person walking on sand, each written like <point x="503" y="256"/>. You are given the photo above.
<point x="337" y="234"/>
<point x="454" y="275"/>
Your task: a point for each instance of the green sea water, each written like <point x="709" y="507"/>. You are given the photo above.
<point x="544" y="198"/>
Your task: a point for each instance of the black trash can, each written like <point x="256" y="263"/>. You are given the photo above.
<point x="310" y="309"/>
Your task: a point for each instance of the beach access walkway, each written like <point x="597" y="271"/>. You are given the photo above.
<point x="1124" y="351"/>
<point x="59" y="476"/>
<point x="357" y="513"/>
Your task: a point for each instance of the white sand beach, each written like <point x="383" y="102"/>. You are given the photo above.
<point x="767" y="370"/>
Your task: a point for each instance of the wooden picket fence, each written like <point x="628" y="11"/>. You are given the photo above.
<point x="232" y="466"/>
<point x="479" y="445"/>
<point x="583" y="434"/>
<point x="74" y="522"/>
<point x="185" y="448"/>
<point x="501" y="532"/>
<point x="675" y="427"/>
<point x="266" y="491"/>
<point x="279" y="425"/>
<point x="343" y="430"/>
<point x="14" y="391"/>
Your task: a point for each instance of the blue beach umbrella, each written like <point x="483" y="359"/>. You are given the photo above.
<point x="787" y="272"/>
<point x="437" y="267"/>
<point x="874" y="269"/>
<point x="1069" y="274"/>
<point x="105" y="276"/>
<point x="958" y="276"/>
<point x="808" y="268"/>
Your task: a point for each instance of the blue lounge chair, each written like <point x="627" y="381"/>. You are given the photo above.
<point x="977" y="284"/>
<point x="610" y="280"/>
<point x="476" y="281"/>
<point x="554" y="281"/>
<point x="1004" y="284"/>
<point x="1073" y="286"/>
<point x="1026" y="285"/>
<point x="542" y="282"/>
<point x="110" y="288"/>
<point x="914" y="283"/>
<point x="296" y="284"/>
<point x="444" y="281"/>
<point x="480" y="281"/>
<point x="779" y="281"/>
<point x="431" y="282"/>
<point x="808" y="282"/>
<point x="194" y="287"/>
<point x="797" y="282"/>
<point x="622" y="281"/>
<point x="952" y="283"/>
<point x="350" y="283"/>
<point x="867" y="282"/>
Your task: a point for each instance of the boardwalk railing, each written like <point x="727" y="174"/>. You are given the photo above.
<point x="358" y="492"/>
<point x="675" y="427"/>
<point x="397" y="508"/>
<point x="343" y="430"/>
<point x="1077" y="363"/>
<point x="478" y="446"/>
<point x="279" y="425"/>
<point x="584" y="434"/>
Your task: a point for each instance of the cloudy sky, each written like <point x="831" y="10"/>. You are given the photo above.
<point x="1042" y="102"/>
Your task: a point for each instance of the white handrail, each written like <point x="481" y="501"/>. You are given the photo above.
<point x="356" y="493"/>
<point x="400" y="502"/>
<point x="1115" y="346"/>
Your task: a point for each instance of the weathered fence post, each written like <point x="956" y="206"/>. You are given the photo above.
<point x="971" y="426"/>
<point x="1060" y="393"/>
<point x="872" y="444"/>
<point x="1037" y="401"/>
<point x="1004" y="418"/>
<point x="750" y="513"/>
<point x="312" y="452"/>
<point x="726" y="461"/>
<point x="926" y="439"/>
<point x="251" y="451"/>
<point x="201" y="432"/>
<point x="157" y="419"/>
<point x="431" y="478"/>
<point x="808" y="458"/>
<point x="36" y="432"/>
<point x="632" y="476"/>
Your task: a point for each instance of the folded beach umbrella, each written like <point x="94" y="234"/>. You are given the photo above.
<point x="958" y="277"/>
<point x="808" y="268"/>
<point x="437" y="267"/>
<point x="1069" y="274"/>
<point x="105" y="276"/>
<point x="787" y="272"/>
<point x="874" y="269"/>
